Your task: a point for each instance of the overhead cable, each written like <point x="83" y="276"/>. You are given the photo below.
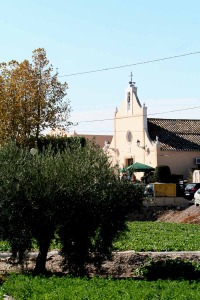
<point x="130" y="65"/>
<point x="126" y="117"/>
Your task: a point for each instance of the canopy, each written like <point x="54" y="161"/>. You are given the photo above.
<point x="123" y="170"/>
<point x="138" y="167"/>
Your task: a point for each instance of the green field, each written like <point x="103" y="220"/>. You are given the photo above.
<point x="141" y="236"/>
<point x="151" y="236"/>
<point x="54" y="288"/>
<point x="158" y="236"/>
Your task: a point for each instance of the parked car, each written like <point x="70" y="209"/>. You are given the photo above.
<point x="190" y="190"/>
<point x="180" y="188"/>
<point x="149" y="190"/>
<point x="197" y="197"/>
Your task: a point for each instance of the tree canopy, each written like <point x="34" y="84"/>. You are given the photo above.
<point x="73" y="194"/>
<point x="31" y="98"/>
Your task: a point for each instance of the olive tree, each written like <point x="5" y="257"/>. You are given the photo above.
<point x="74" y="194"/>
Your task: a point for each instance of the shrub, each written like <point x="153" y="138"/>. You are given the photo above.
<point x="162" y="174"/>
<point x="170" y="269"/>
<point x="55" y="142"/>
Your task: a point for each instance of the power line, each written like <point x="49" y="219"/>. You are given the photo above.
<point x="175" y="110"/>
<point x="123" y="66"/>
<point x="126" y="117"/>
<point x="130" y="65"/>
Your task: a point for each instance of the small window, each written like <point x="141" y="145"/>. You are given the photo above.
<point x="129" y="136"/>
<point x="128" y="101"/>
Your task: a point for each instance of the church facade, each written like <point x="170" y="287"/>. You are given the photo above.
<point x="153" y="141"/>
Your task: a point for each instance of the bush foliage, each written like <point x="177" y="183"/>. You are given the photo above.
<point x="162" y="174"/>
<point x="75" y="194"/>
<point x="171" y="269"/>
<point x="55" y="142"/>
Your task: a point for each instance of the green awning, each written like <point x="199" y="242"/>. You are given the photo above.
<point x="138" y="167"/>
<point x="123" y="170"/>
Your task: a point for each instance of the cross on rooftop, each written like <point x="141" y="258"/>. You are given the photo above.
<point x="131" y="82"/>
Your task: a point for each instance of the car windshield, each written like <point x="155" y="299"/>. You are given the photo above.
<point x="190" y="186"/>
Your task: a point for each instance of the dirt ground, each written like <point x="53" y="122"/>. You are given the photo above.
<point x="191" y="215"/>
<point x="123" y="264"/>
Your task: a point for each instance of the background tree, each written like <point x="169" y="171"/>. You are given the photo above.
<point x="31" y="99"/>
<point x="162" y="174"/>
<point x="75" y="194"/>
<point x="17" y="104"/>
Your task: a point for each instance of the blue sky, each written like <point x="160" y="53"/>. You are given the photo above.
<point x="88" y="35"/>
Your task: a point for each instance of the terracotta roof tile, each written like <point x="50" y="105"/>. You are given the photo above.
<point x="175" y="134"/>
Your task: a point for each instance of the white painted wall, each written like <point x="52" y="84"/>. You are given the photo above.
<point x="132" y="117"/>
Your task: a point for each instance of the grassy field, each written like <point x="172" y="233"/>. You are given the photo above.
<point x="151" y="236"/>
<point x="141" y="236"/>
<point x="54" y="288"/>
<point x="157" y="236"/>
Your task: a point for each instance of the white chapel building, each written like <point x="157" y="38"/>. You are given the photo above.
<point x="153" y="141"/>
